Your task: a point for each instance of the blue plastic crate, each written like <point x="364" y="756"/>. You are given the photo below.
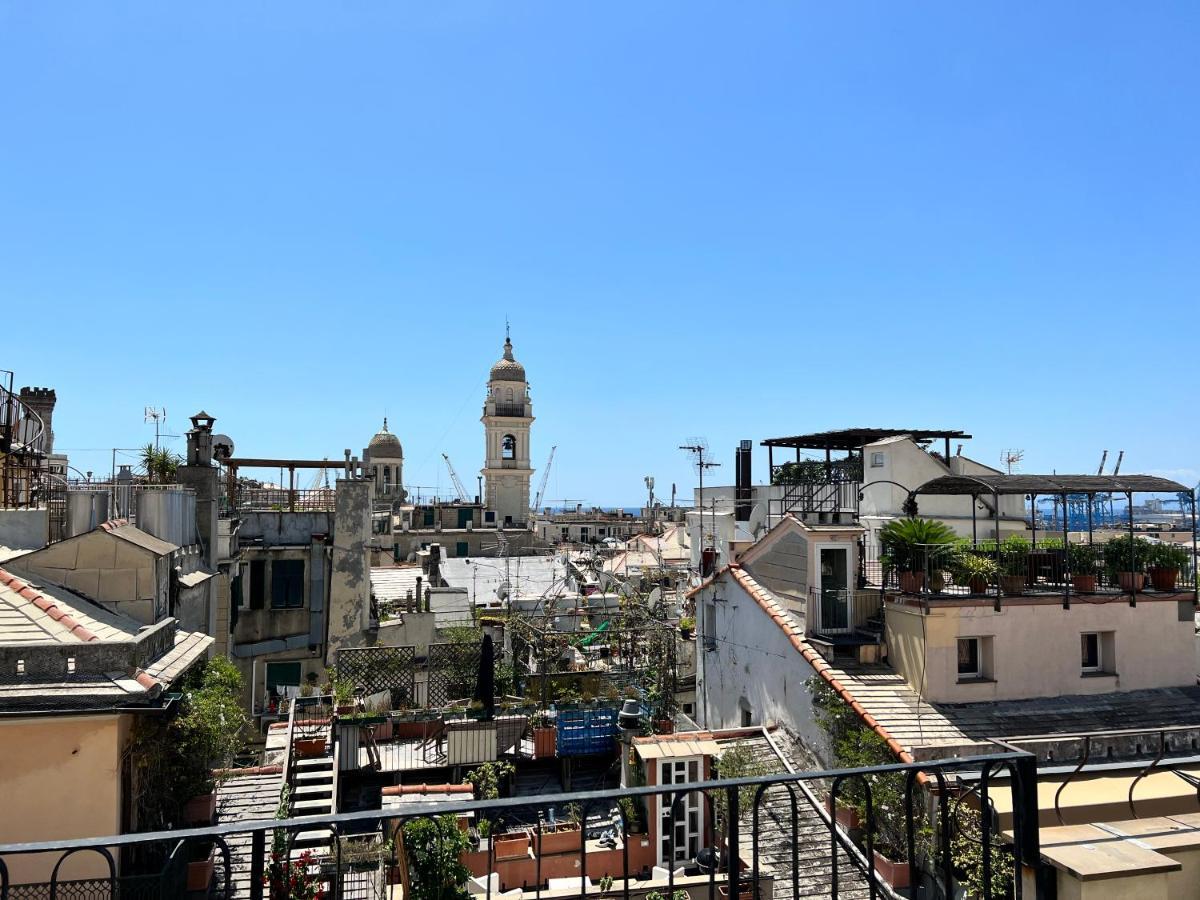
<point x="586" y="731"/>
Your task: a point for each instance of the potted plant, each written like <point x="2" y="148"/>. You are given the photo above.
<point x="544" y="737"/>
<point x="200" y="867"/>
<point x="308" y="747"/>
<point x="1125" y="562"/>
<point x="1014" y="565"/>
<point x="632" y="813"/>
<point x="1081" y="558"/>
<point x="974" y="570"/>
<point x="686" y="624"/>
<point x="511" y="845"/>
<point x="342" y="689"/>
<point x="206" y="734"/>
<point x="1166" y="561"/>
<point x="565" y="837"/>
<point x="911" y="545"/>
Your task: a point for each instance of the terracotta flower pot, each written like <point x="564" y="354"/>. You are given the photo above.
<point x="309" y="747"/>
<point x="847" y="816"/>
<point x="1164" y="579"/>
<point x="977" y="584"/>
<point x="1084" y="584"/>
<point x="911" y="582"/>
<point x="564" y="839"/>
<point x="1131" y="581"/>
<point x="513" y="845"/>
<point x="544" y="742"/>
<point x="200" y="810"/>
<point x="894" y="873"/>
<point x="199" y="875"/>
<point x="1012" y="585"/>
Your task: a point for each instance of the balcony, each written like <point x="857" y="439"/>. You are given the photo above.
<point x="758" y="831"/>
<point x="1116" y="562"/>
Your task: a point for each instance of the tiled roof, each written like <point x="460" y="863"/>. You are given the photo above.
<point x="189" y="647"/>
<point x="244" y="796"/>
<point x="777" y="839"/>
<point x="42" y="613"/>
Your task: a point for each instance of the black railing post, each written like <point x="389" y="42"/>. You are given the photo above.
<point x="258" y="852"/>
<point x="734" y="866"/>
<point x="1025" y="816"/>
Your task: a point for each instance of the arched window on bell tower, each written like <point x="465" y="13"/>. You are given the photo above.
<point x="508" y="447"/>
<point x="387" y="476"/>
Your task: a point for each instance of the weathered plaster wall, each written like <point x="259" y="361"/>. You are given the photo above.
<point x="61" y="778"/>
<point x="753" y="667"/>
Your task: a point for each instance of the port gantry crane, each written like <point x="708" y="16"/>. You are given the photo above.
<point x="537" y="500"/>
<point x="463" y="496"/>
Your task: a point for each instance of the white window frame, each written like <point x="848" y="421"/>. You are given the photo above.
<point x="1099" y="667"/>
<point x="877" y="459"/>
<point x="978" y="673"/>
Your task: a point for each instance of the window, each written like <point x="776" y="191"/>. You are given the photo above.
<point x="876" y="460"/>
<point x="258" y="583"/>
<point x="508" y="447"/>
<point x="747" y="717"/>
<point x="287" y="584"/>
<point x="1091" y="654"/>
<point x="969" y="659"/>
<point x="282" y="674"/>
<point x="387" y="476"/>
<point x="710" y="626"/>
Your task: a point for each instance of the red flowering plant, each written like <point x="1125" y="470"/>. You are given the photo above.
<point x="299" y="881"/>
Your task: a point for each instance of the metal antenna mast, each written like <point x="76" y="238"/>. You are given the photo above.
<point x="698" y="447"/>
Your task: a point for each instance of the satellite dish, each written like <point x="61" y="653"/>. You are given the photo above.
<point x="654" y="597"/>
<point x="502" y="590"/>
<point x="222" y="446"/>
<point x="758" y="516"/>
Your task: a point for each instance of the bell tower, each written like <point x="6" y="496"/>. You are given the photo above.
<point x="507" y="417"/>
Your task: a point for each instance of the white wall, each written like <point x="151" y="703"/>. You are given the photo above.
<point x="754" y="666"/>
<point x="1035" y="648"/>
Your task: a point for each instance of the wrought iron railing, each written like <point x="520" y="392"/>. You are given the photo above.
<point x="725" y="855"/>
<point x="1019" y="568"/>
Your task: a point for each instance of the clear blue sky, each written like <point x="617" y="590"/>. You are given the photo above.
<point x="701" y="219"/>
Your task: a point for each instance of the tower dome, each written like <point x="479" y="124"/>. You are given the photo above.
<point x="507" y="368"/>
<point x="385" y="444"/>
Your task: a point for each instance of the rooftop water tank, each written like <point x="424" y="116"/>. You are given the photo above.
<point x="168" y="513"/>
<point x="85" y="511"/>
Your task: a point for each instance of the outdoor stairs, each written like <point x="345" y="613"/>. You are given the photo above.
<point x="313" y="793"/>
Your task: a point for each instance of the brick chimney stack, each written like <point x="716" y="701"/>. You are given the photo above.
<point x="41" y="401"/>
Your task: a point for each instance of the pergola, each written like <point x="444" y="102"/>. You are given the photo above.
<point x="851" y="439"/>
<point x="1064" y="486"/>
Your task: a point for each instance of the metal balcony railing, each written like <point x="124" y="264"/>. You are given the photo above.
<point x="366" y="850"/>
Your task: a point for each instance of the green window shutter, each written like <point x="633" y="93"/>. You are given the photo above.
<point x="258" y="583"/>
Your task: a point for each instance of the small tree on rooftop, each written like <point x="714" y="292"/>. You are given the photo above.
<point x="434" y="847"/>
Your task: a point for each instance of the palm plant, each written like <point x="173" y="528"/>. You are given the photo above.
<point x="159" y="465"/>
<point x="912" y="543"/>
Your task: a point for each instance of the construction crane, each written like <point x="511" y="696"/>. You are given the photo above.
<point x="463" y="496"/>
<point x="537" y="500"/>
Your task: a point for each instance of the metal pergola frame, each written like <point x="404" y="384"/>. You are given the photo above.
<point x="1031" y="486"/>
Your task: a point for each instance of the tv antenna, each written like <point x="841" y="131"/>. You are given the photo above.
<point x="698" y="448"/>
<point x="1011" y="460"/>
<point x="157" y="416"/>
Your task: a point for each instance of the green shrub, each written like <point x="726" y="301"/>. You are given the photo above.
<point x="908" y="543"/>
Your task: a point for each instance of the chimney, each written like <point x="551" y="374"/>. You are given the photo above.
<point x="743" y="492"/>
